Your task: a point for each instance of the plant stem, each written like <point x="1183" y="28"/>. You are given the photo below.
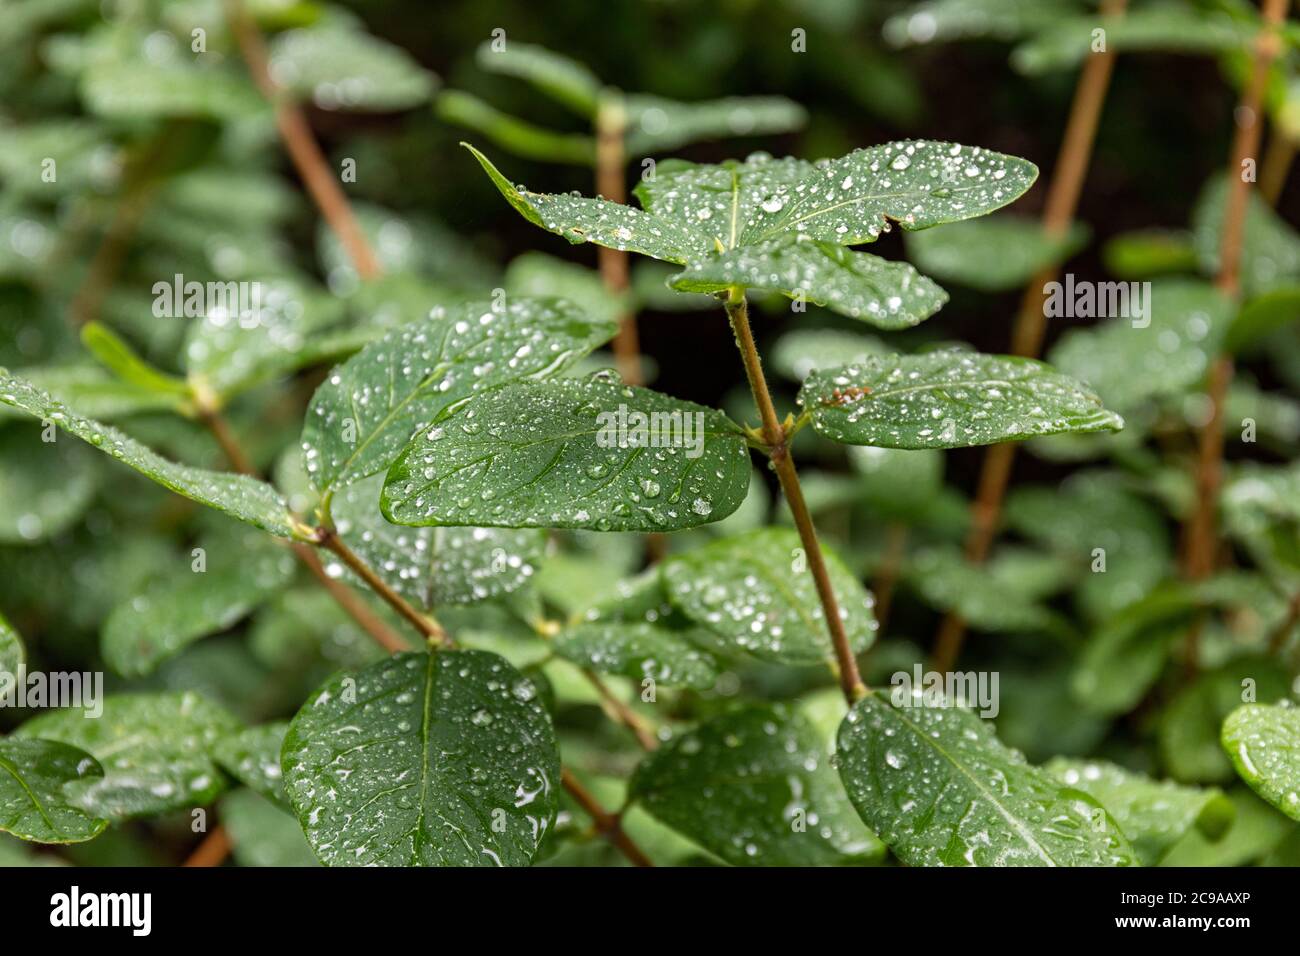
<point x="1031" y="322"/>
<point x="1277" y="640"/>
<point x="301" y="145"/>
<point x="611" y="168"/>
<point x="212" y="851"/>
<point x="1276" y="166"/>
<point x="623" y="714"/>
<point x="608" y="825"/>
<point x="350" y="601"/>
<point x="779" y="453"/>
<point x="1200" y="537"/>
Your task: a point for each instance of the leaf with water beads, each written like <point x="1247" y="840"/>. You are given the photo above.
<point x="33" y="804"/>
<point x="656" y="125"/>
<point x="156" y="751"/>
<point x="1263" y="742"/>
<point x="949" y="399"/>
<point x="940" y="790"/>
<point x="440" y="759"/>
<point x="252" y="756"/>
<point x="12" y="654"/>
<point x="435" y="566"/>
<point x="600" y="221"/>
<point x="639" y="650"/>
<point x="755" y="787"/>
<point x="888" y="295"/>
<point x="239" y="496"/>
<point x="337" y="66"/>
<point x="995" y="254"/>
<point x="755" y="593"/>
<point x="371" y="405"/>
<point x="570" y="453"/>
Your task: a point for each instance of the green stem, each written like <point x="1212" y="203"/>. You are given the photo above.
<point x="778" y="452"/>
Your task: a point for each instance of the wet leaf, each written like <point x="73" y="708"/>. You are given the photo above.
<point x="548" y="455"/>
<point x="424" y="760"/>
<point x="33" y="803"/>
<point x="262" y="833"/>
<point x="756" y="594"/>
<point x="944" y="21"/>
<point x="563" y="79"/>
<point x="641" y="651"/>
<point x="339" y="68"/>
<point x="251" y="501"/>
<point x="45" y="487"/>
<point x="940" y="790"/>
<point x="950" y="583"/>
<point x="949" y="399"/>
<point x="1154" y="814"/>
<point x="993" y="254"/>
<point x="1264" y="743"/>
<point x="1270" y="247"/>
<point x="515" y="135"/>
<point x="800" y="352"/>
<point x="12" y="653"/>
<point x="756" y="788"/>
<point x="252" y="756"/>
<point x="656" y="125"/>
<point x="371" y="405"/>
<point x="156" y="751"/>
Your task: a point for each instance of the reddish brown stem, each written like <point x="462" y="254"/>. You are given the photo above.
<point x="212" y="851"/>
<point x="1276" y="167"/>
<point x="301" y="145"/>
<point x="1031" y="322"/>
<point x="774" y="435"/>
<point x="608" y="825"/>
<point x="611" y="168"/>
<point x="623" y="714"/>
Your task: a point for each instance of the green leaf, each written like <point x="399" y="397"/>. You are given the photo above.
<point x="1154" y="815"/>
<point x="800" y="352"/>
<point x="1264" y="744"/>
<point x="1143" y="253"/>
<point x="656" y="125"/>
<point x="940" y="790"/>
<point x="994" y="254"/>
<point x="943" y="21"/>
<point x="915" y="183"/>
<point x="339" y="68"/>
<point x="113" y="352"/>
<point x="755" y="787"/>
<point x="1130" y="366"/>
<point x="1270" y="247"/>
<point x="371" y="405"/>
<point x="568" y="454"/>
<point x="1166" y="28"/>
<point x="598" y="220"/>
<point x="93" y="392"/>
<point x="252" y="756"/>
<point x="424" y="760"/>
<point x="538" y="275"/>
<point x="756" y="594"/>
<point x="12" y="653"/>
<point x="948" y="582"/>
<point x="949" y="399"/>
<point x="513" y="134"/>
<point x="45" y="487"/>
<point x="898" y="482"/>
<point x="136" y="89"/>
<point x="888" y="295"/>
<point x="566" y="81"/>
<point x="1256" y="831"/>
<point x="239" y="496"/>
<point x="33" y="803"/>
<point x="435" y="566"/>
<point x="262" y="834"/>
<point x="639" y="650"/>
<point x="242" y="571"/>
<point x="1261" y="317"/>
<point x="156" y="750"/>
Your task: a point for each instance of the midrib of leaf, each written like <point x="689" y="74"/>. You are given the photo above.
<point x="927" y="386"/>
<point x="735" y="205"/>
<point x="13" y="772"/>
<point x="980" y="787"/>
<point x="788" y="225"/>
<point x="418" y="830"/>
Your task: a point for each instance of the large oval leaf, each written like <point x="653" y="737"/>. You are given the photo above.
<point x="756" y="594"/>
<point x="239" y="496"/>
<point x="949" y="399"/>
<point x="1263" y="741"/>
<point x="756" y="788"/>
<point x="33" y="804"/>
<point x="252" y="756"/>
<point x="995" y="254"/>
<point x="440" y="759"/>
<point x="371" y="405"/>
<point x="572" y="454"/>
<point x="155" y="750"/>
<point x="940" y="790"/>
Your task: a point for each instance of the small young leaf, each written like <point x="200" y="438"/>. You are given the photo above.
<point x="640" y="650"/>
<point x="252" y="756"/>
<point x="941" y="790"/>
<point x="1263" y="741"/>
<point x="435" y="566"/>
<point x="1154" y="815"/>
<point x="424" y="760"/>
<point x="33" y="803"/>
<point x="571" y="454"/>
<point x="156" y="750"/>
<point x="565" y="80"/>
<point x="755" y="592"/>
<point x="755" y="787"/>
<point x="949" y="399"/>
<point x="888" y="295"/>
<point x="371" y="405"/>
<point x="113" y="352"/>
<point x="517" y="136"/>
<point x="239" y="496"/>
<point x="993" y="254"/>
